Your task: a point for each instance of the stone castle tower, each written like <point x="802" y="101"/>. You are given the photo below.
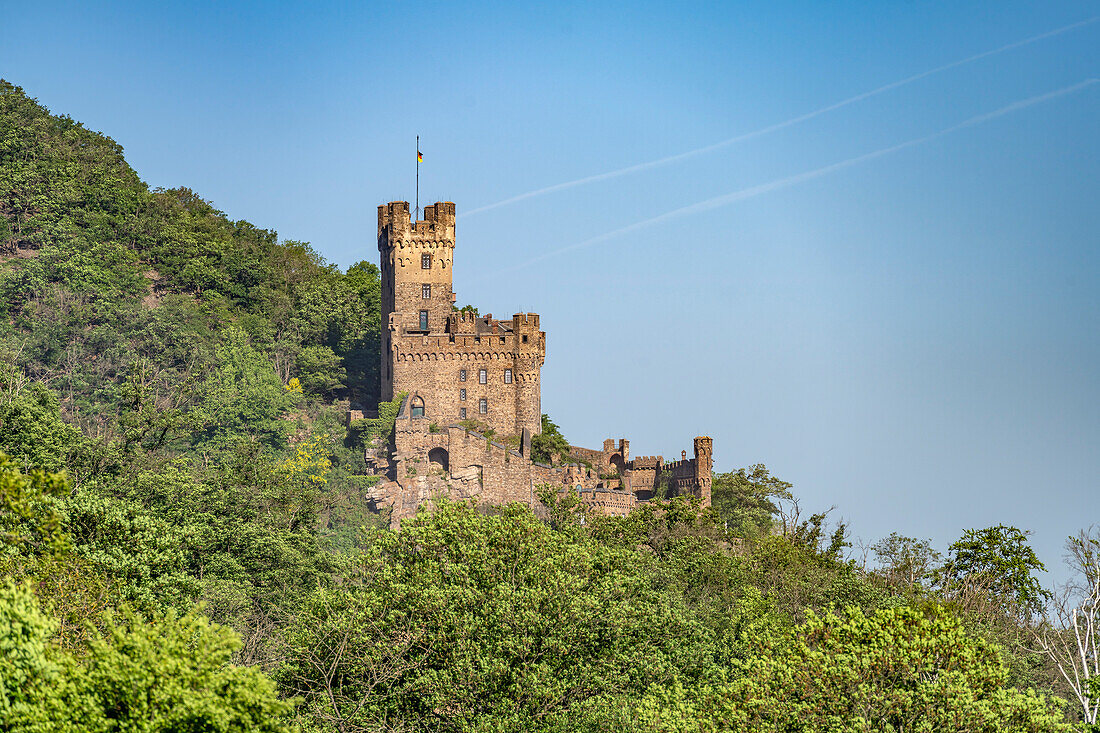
<point x="456" y="366"/>
<point x="453" y="364"/>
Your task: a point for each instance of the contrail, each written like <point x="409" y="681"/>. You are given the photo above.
<point x="778" y="125"/>
<point x="754" y="191"/>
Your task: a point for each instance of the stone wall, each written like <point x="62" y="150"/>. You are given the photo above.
<point x="646" y="476"/>
<point x="449" y="461"/>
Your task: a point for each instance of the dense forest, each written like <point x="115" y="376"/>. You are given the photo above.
<point x="185" y="544"/>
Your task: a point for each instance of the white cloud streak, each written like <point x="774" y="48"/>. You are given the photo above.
<point x="788" y="181"/>
<point x="777" y="126"/>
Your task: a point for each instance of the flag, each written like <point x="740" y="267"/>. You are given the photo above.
<point x="419" y="157"/>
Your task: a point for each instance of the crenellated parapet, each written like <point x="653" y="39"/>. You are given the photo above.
<point x="396" y="227"/>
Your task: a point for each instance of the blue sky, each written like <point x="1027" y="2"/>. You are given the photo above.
<point x="912" y="337"/>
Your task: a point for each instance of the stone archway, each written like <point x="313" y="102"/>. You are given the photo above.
<point x="440" y="457"/>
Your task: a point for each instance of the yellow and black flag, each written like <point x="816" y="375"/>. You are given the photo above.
<point x="419" y="156"/>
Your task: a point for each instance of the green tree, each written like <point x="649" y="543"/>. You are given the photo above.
<point x="321" y="371"/>
<point x="170" y="674"/>
<point x="30" y="524"/>
<point x="747" y="499"/>
<point x="486" y="621"/>
<point x="32" y="431"/>
<point x="242" y="397"/>
<point x="30" y="675"/>
<point x="999" y="561"/>
<point x="550" y="443"/>
<point x="142" y="554"/>
<point x="905" y="562"/>
<point x="901" y="669"/>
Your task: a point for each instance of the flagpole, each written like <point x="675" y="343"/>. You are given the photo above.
<point x="416" y="211"/>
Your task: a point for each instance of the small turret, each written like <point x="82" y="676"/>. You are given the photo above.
<point x="392" y="218"/>
<point x="704" y="465"/>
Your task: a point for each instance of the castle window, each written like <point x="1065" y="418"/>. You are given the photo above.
<point x="425" y="291"/>
<point x="524" y="338"/>
<point x="423" y="320"/>
<point x="462" y="394"/>
<point x="417" y="407"/>
<point x="482" y="376"/>
<point x="483" y="405"/>
<point x="425" y="261"/>
<point x="462" y="413"/>
<point x="462" y="375"/>
<point x="507" y="376"/>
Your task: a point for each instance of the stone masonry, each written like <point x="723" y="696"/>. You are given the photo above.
<point x="452" y="364"/>
<point x="457" y="367"/>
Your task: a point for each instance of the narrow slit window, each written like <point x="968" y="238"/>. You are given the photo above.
<point x="462" y="413"/>
<point x="483" y="376"/>
<point x="462" y="375"/>
<point x="507" y="376"/>
<point x="462" y="394"/>
<point x="483" y="405"/>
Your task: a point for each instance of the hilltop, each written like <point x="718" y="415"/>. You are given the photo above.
<point x="101" y="273"/>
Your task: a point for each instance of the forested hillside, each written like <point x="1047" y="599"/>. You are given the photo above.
<point x="184" y="544"/>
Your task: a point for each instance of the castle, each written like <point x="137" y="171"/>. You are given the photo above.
<point x="472" y="400"/>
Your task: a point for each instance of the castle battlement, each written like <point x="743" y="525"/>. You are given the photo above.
<point x="677" y="466"/>
<point x="394" y="220"/>
<point x="393" y="217"/>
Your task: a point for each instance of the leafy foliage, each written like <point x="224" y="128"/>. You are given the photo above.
<point x="1000" y="559"/>
<point x="110" y="273"/>
<point x="906" y="561"/>
<point x="895" y="670"/>
<point x="168" y="674"/>
<point x="550" y="443"/>
<point x="473" y="621"/>
<point x="29" y="521"/>
<point x="747" y="499"/>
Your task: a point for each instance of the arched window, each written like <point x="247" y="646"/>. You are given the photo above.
<point x="417" y="407"/>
